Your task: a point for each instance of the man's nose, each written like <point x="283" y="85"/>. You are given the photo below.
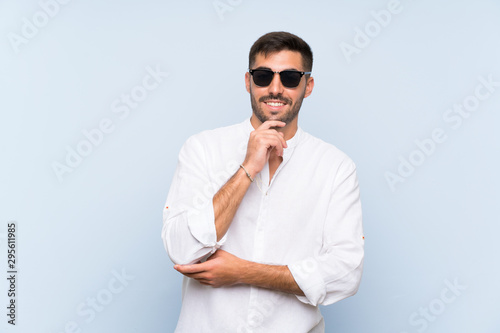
<point x="276" y="87"/>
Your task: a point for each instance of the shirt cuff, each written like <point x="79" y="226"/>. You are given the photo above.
<point x="201" y="224"/>
<point x="307" y="275"/>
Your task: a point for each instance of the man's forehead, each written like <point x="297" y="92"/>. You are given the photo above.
<point x="280" y="60"/>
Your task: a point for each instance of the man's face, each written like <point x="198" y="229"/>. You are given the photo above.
<point x="277" y="102"/>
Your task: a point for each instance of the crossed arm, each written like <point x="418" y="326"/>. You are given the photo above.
<point x="223" y="268"/>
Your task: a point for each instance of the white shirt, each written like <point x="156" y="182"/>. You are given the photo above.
<point x="308" y="218"/>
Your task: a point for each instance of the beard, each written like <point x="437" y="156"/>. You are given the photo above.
<point x="290" y="114"/>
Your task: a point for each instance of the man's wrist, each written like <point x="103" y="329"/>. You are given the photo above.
<point x="252" y="171"/>
<point x="275" y="277"/>
<point x="247" y="173"/>
<point x="248" y="271"/>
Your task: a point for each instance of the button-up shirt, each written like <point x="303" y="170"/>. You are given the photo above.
<point x="308" y="217"/>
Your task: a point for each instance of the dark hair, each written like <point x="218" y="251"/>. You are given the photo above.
<point x="273" y="42"/>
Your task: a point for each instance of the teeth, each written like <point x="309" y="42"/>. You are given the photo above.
<point x="275" y="104"/>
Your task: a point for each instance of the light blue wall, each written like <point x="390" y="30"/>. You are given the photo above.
<point x="434" y="228"/>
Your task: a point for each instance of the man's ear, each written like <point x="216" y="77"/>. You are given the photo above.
<point x="247" y="81"/>
<point x="309" y="86"/>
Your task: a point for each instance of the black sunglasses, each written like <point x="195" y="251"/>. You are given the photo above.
<point x="264" y="77"/>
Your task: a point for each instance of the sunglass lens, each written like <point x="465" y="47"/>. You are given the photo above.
<point x="262" y="77"/>
<point x="290" y="79"/>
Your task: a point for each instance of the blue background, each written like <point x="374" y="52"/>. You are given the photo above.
<point x="76" y="231"/>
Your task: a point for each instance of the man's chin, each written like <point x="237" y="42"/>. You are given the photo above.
<point x="263" y="118"/>
<point x="284" y="117"/>
<point x="273" y="119"/>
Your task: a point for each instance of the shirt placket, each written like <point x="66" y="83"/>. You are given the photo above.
<point x="258" y="244"/>
<point x="254" y="315"/>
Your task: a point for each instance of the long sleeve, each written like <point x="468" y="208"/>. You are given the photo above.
<point x="335" y="273"/>
<point x="188" y="231"/>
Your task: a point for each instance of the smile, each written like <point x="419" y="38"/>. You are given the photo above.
<point x="275" y="103"/>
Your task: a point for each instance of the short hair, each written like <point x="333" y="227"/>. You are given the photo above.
<point x="274" y="42"/>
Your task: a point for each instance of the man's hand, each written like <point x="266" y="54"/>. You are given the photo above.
<point x="225" y="269"/>
<point x="220" y="269"/>
<point x="262" y="141"/>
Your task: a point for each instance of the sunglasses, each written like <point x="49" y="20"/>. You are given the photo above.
<point x="264" y="77"/>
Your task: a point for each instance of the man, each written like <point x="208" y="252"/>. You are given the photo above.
<point x="263" y="219"/>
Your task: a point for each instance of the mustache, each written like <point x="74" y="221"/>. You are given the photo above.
<point x="275" y="98"/>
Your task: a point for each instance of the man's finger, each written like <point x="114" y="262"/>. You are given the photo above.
<point x="271" y="135"/>
<point x="271" y="123"/>
<point x="190" y="269"/>
<point x="195" y="276"/>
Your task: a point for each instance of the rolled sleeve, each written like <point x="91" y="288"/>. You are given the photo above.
<point x="335" y="272"/>
<point x="188" y="231"/>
